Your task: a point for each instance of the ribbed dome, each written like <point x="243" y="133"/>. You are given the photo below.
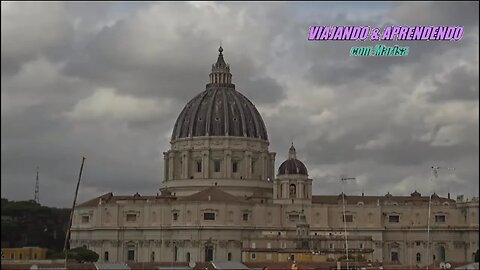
<point x="292" y="165"/>
<point x="220" y="110"/>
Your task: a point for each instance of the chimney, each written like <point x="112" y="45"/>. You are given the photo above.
<point x="363" y="194"/>
<point x="449" y="195"/>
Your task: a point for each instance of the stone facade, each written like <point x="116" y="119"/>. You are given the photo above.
<point x="221" y="200"/>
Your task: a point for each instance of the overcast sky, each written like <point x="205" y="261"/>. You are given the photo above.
<point x="108" y="80"/>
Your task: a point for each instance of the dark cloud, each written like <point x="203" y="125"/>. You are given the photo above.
<point x="459" y="84"/>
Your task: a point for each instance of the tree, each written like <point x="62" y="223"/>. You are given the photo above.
<point x="477" y="256"/>
<point x="79" y="254"/>
<point x="82" y="254"/>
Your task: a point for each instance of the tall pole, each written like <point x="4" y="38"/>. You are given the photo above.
<point x="435" y="175"/>
<point x="37" y="189"/>
<point x="344" y="179"/>
<point x="71" y="213"/>
<point x="428" y="230"/>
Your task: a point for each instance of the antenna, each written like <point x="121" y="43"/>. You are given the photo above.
<point x="435" y="174"/>
<point x="344" y="180"/>
<point x="37" y="189"/>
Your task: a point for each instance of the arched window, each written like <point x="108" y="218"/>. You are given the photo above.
<point x="152" y="256"/>
<point x="293" y="191"/>
<point x="419" y="257"/>
<point x="188" y="257"/>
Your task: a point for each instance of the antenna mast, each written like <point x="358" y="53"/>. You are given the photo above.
<point x="344" y="180"/>
<point x="37" y="189"/>
<point x="435" y="175"/>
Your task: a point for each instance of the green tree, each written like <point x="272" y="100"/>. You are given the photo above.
<point x="82" y="254"/>
<point x="79" y="254"/>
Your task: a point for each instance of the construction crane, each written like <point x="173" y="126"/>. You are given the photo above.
<point x="67" y="235"/>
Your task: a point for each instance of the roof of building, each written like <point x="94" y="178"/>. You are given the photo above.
<point x="110" y="266"/>
<point x="110" y="198"/>
<point x="212" y="194"/>
<point x="292" y="165"/>
<point x="220" y="110"/>
<point x="355" y="199"/>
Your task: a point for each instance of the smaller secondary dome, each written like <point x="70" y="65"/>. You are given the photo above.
<point x="292" y="165"/>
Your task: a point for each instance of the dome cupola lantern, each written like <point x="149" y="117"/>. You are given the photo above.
<point x="292" y="153"/>
<point x="292" y="165"/>
<point x="220" y="74"/>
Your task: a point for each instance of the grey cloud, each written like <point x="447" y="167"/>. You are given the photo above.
<point x="459" y="84"/>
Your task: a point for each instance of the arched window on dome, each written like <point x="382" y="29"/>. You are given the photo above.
<point x="293" y="191"/>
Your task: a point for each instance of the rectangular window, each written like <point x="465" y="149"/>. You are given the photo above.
<point x="175" y="216"/>
<point x="199" y="166"/>
<point x="293" y="218"/>
<point x="269" y="245"/>
<point x="440" y="219"/>
<point x="105" y="256"/>
<point x="253" y="166"/>
<point x="131" y="255"/>
<point x="245" y="216"/>
<point x="253" y="256"/>
<point x="234" y="166"/>
<point x="208" y="216"/>
<point x="269" y="256"/>
<point x="131" y="217"/>
<point x="217" y="165"/>
<point x="361" y="245"/>
<point x="348" y="218"/>
<point x="331" y="246"/>
<point x="254" y="245"/>
<point x="85" y="219"/>
<point x="394" y="256"/>
<point x="417" y="243"/>
<point x="394" y="219"/>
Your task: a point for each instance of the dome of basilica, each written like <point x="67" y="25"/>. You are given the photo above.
<point x="220" y="110"/>
<point x="292" y="165"/>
